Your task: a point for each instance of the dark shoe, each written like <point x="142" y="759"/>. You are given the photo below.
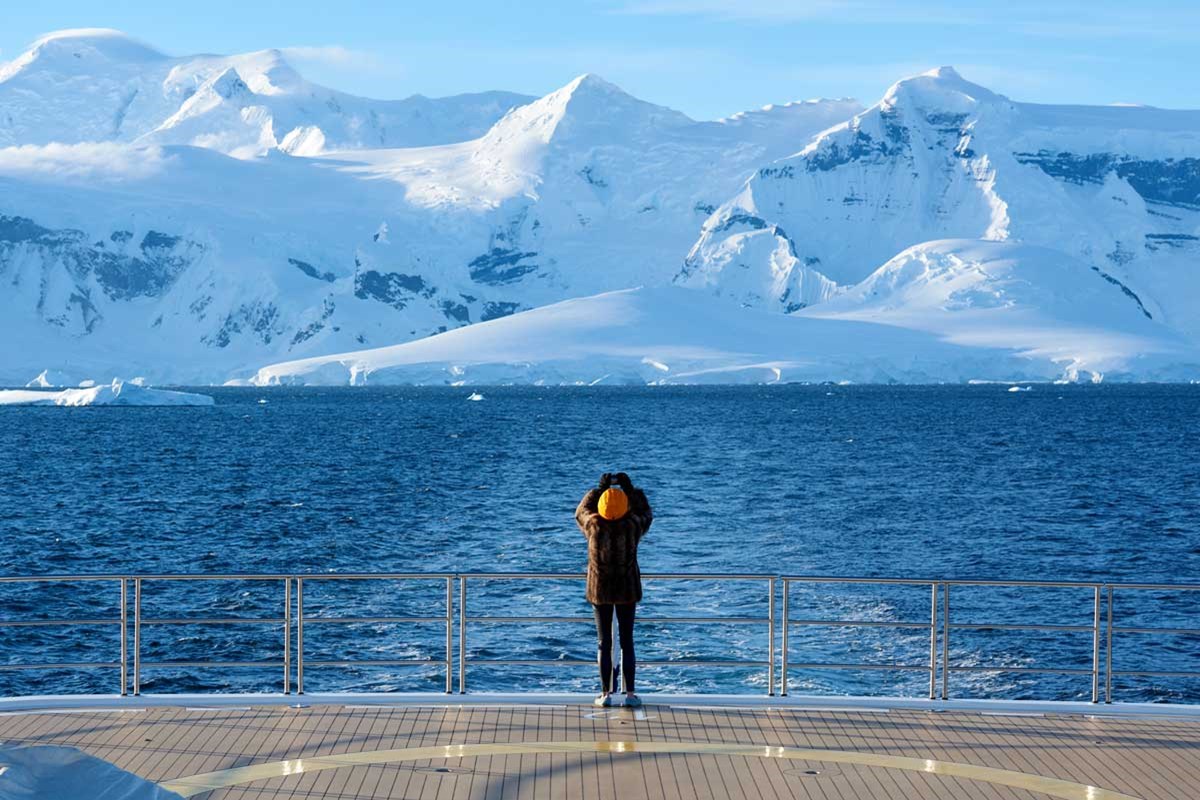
<point x="632" y="701"/>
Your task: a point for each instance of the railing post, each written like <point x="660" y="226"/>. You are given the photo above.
<point x="933" y="604"/>
<point x="449" y="634"/>
<point x="945" y="641"/>
<point x="771" y="637"/>
<point x="1108" y="660"/>
<point x="137" y="637"/>
<point x="1096" y="645"/>
<point x="124" y="637"/>
<point x="783" y="670"/>
<point x="616" y="656"/>
<point x="287" y="635"/>
<point x="462" y="634"/>
<point x="299" y="635"/>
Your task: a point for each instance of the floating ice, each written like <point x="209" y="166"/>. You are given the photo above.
<point x="118" y="393"/>
<point x="50" y="378"/>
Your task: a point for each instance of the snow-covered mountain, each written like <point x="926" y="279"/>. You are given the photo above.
<point x="182" y="264"/>
<point x="192" y="219"/>
<point x="939" y="157"/>
<point x="100" y="85"/>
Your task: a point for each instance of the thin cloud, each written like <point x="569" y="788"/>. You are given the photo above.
<point x="1182" y="30"/>
<point x="106" y="161"/>
<point x="335" y="55"/>
<point x="1028" y="17"/>
<point x="746" y="10"/>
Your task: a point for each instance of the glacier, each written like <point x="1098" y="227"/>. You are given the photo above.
<point x="204" y="219"/>
<point x="670" y="335"/>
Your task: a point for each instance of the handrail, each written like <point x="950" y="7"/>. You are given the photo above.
<point x="788" y="622"/>
<point x="123" y="621"/>
<point x="1102" y="625"/>
<point x="1112" y="629"/>
<point x="140" y="621"/>
<point x="446" y="618"/>
<point x="465" y="619"/>
<point x="1094" y="628"/>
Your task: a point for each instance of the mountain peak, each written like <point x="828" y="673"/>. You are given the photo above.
<point x="942" y="87"/>
<point x="588" y="108"/>
<point x="591" y="82"/>
<point x="946" y="72"/>
<point x="109" y="42"/>
<point x="590" y="100"/>
<point x="80" y="51"/>
<point x="590" y="92"/>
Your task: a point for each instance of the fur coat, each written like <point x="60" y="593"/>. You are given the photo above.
<point x="613" y="575"/>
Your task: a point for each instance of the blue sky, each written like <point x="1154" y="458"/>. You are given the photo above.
<point x="708" y="58"/>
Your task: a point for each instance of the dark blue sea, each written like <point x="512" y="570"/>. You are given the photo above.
<point x="1060" y="483"/>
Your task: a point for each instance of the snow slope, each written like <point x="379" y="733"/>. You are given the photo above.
<point x="1036" y="302"/>
<point x="673" y="335"/>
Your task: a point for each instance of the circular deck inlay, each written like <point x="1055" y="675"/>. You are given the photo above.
<point x="1053" y="787"/>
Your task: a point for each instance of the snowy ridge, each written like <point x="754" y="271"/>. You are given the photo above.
<point x="100" y="85"/>
<point x="192" y="219"/>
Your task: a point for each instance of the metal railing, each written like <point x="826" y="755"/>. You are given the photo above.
<point x="466" y="619"/>
<point x="929" y="625"/>
<point x="122" y="620"/>
<point x="1111" y="630"/>
<point x="446" y="618"/>
<point x="1093" y="628"/>
<point x="139" y="622"/>
<point x="131" y="590"/>
<point x="947" y="625"/>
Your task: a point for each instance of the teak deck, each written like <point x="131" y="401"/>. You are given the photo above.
<point x="508" y="751"/>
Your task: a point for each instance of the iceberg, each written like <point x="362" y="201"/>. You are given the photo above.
<point x="118" y="393"/>
<point x="50" y="378"/>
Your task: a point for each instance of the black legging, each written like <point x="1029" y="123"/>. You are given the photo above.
<point x="604" y="617"/>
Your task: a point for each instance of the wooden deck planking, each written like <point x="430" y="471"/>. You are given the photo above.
<point x="1151" y="758"/>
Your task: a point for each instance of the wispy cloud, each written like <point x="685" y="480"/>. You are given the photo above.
<point x="760" y="10"/>
<point x="1089" y="21"/>
<point x="90" y="160"/>
<point x="337" y="56"/>
<point x="1102" y="27"/>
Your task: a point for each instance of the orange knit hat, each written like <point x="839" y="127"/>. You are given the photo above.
<point x="613" y="504"/>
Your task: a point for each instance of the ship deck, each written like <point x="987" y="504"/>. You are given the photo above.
<point x="446" y="749"/>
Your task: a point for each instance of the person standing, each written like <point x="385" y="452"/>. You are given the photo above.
<point x="614" y="519"/>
